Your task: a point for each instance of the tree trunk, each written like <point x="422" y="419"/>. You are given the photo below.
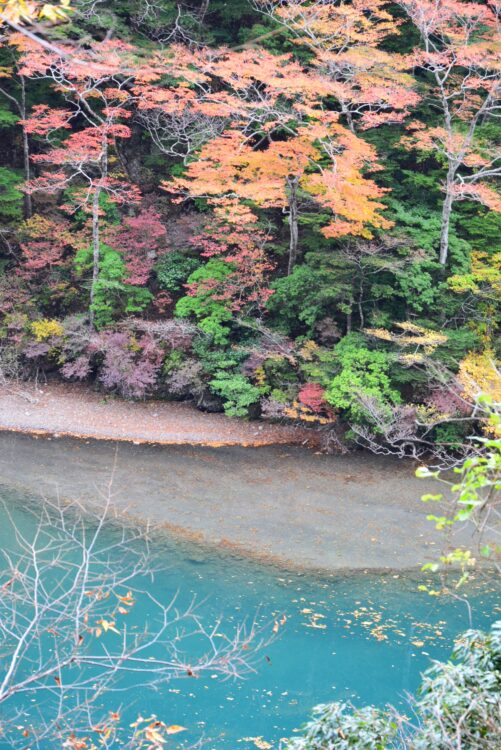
<point x="95" y="252"/>
<point x="446" y="222"/>
<point x="96" y="240"/>
<point x="360" y="303"/>
<point x="292" y="183"/>
<point x="204" y="7"/>
<point x="28" y="204"/>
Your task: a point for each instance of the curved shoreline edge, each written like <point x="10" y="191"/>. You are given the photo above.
<point x="281" y="505"/>
<point x="40" y="432"/>
<point x="75" y="411"/>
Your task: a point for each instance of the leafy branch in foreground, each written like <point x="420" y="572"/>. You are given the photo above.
<point x="475" y="500"/>
<point x="457" y="708"/>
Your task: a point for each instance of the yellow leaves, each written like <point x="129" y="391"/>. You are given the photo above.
<point x="309" y="350"/>
<point x="21" y="11"/>
<point x="46" y="328"/>
<point x="484" y="281"/>
<point x="479" y="374"/>
<point x="379" y="333"/>
<point x="258" y="742"/>
<point x="106" y="626"/>
<point x="154" y="735"/>
<point x="413" y="335"/>
<point x="305" y="414"/>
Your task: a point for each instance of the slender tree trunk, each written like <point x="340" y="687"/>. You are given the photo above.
<point x="28" y="204"/>
<point x="360" y="303"/>
<point x="349" y="118"/>
<point x="95" y="252"/>
<point x="96" y="239"/>
<point x="292" y="183"/>
<point x="349" y="322"/>
<point x="446" y="218"/>
<point x="204" y="7"/>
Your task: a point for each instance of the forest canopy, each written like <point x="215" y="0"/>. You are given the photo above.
<point x="273" y="208"/>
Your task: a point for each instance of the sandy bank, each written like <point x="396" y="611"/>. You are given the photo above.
<point x="281" y="503"/>
<point x="76" y="411"/>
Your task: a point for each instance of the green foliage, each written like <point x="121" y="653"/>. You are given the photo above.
<point x="216" y="358"/>
<point x="340" y="726"/>
<point x="213" y="315"/>
<point x="172" y="361"/>
<point x="457" y="706"/>
<point x="482" y="228"/>
<point x="11" y="198"/>
<point x="109" y="209"/>
<point x="237" y="392"/>
<point x="312" y="291"/>
<point x="451" y="434"/>
<point x="7" y="117"/>
<point x="362" y="374"/>
<point x="173" y="269"/>
<point x="472" y="498"/>
<point x="418" y="285"/>
<point x="112" y="297"/>
<point x="459" y="342"/>
<point x="420" y="226"/>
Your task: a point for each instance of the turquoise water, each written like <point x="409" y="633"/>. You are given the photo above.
<point x="363" y="637"/>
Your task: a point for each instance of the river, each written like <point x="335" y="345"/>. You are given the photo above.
<point x="351" y="629"/>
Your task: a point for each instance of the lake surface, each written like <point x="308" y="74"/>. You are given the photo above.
<point x="363" y="637"/>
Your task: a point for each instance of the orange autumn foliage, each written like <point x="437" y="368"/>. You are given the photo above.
<point x="228" y="166"/>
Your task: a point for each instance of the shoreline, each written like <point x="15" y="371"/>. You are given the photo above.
<point x="75" y="411"/>
<point x="281" y="505"/>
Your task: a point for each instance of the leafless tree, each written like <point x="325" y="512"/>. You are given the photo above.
<point x="181" y="133"/>
<point x="72" y="592"/>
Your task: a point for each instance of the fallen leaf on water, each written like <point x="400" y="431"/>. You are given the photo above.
<point x="108" y="625"/>
<point x="175" y="728"/>
<point x="258" y="742"/>
<point x="317" y="625"/>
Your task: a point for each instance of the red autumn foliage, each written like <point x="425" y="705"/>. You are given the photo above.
<point x="232" y="236"/>
<point x="312" y="396"/>
<point x="140" y="239"/>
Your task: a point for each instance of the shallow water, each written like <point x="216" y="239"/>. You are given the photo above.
<point x="379" y="633"/>
<point x="280" y="502"/>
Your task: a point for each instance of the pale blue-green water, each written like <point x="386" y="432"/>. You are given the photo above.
<point x="346" y="659"/>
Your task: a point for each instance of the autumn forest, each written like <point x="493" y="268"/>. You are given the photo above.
<point x="279" y="209"/>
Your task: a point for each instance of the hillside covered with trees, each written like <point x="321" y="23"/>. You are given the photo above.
<point x="278" y="208"/>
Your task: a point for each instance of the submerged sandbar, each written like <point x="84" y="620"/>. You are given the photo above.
<point x="287" y="504"/>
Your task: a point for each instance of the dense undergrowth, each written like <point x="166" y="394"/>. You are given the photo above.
<point x="272" y="209"/>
